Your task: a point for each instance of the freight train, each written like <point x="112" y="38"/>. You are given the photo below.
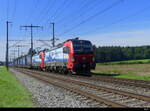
<point x="74" y="55"/>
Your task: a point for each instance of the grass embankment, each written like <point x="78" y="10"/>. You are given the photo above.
<point x="133" y="69"/>
<point x="143" y="61"/>
<point x="12" y="93"/>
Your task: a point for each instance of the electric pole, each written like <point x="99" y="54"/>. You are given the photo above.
<point x="7" y="44"/>
<point x="14" y="53"/>
<point x="31" y="29"/>
<point x="53" y="40"/>
<point x="19" y="46"/>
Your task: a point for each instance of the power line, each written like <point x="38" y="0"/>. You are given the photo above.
<point x="93" y="16"/>
<point x="19" y="46"/>
<point x="84" y="2"/>
<point x="85" y="6"/>
<point x="45" y="42"/>
<point x="66" y="5"/>
<point x="31" y="27"/>
<point x="17" y="42"/>
<point x="7" y="9"/>
<point x="124" y="18"/>
<point x="49" y="18"/>
<point x="29" y="18"/>
<point x="46" y="10"/>
<point x="57" y="10"/>
<point x="14" y="11"/>
<point x="13" y="53"/>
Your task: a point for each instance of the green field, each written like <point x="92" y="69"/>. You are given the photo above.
<point x="144" y="61"/>
<point x="133" y="69"/>
<point x="12" y="93"/>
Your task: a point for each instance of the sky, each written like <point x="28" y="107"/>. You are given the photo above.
<point x="103" y="22"/>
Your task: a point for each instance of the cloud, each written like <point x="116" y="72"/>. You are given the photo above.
<point x="130" y="38"/>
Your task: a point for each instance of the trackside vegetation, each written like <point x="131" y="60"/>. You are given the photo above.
<point x="117" y="53"/>
<point x="133" y="69"/>
<point x="12" y="93"/>
<point x="144" y="61"/>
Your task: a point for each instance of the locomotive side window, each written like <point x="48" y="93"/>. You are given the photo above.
<point x="66" y="50"/>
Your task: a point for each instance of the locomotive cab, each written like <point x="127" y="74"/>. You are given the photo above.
<point x="81" y="56"/>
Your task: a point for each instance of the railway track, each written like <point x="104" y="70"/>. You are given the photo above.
<point x="91" y="92"/>
<point x="130" y="82"/>
<point x="121" y="81"/>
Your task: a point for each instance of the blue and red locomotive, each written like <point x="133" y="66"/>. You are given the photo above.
<point x="74" y="55"/>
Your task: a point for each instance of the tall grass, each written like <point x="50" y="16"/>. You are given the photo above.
<point x="12" y="93"/>
<point x="144" y="61"/>
<point x="132" y="71"/>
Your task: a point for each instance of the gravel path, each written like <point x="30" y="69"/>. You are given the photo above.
<point x="47" y="95"/>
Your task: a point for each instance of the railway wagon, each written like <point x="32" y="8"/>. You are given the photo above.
<point x="23" y="61"/>
<point x="74" y="55"/>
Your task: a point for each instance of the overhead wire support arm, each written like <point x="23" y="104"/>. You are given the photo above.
<point x="45" y="42"/>
<point x="54" y="39"/>
<point x="31" y="27"/>
<point x="93" y="16"/>
<point x="19" y="46"/>
<point x="17" y="42"/>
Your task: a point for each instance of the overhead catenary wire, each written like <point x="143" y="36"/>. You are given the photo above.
<point x="82" y="13"/>
<point x="7" y="9"/>
<point x="85" y="4"/>
<point x="45" y="11"/>
<point x="68" y="2"/>
<point x="14" y="10"/>
<point x="64" y="7"/>
<point x="93" y="16"/>
<point x="121" y="19"/>
<point x="36" y="2"/>
<point x="58" y="8"/>
<point x="51" y="16"/>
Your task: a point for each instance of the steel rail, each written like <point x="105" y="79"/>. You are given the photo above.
<point x="75" y="90"/>
<point x="138" y="83"/>
<point x="129" y="94"/>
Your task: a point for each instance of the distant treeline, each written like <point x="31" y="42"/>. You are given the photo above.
<point x="111" y="53"/>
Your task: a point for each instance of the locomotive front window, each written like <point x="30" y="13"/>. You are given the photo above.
<point x="82" y="47"/>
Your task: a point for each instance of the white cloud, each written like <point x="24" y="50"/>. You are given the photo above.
<point x="130" y="38"/>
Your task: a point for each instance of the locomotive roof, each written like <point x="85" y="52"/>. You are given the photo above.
<point x="75" y="40"/>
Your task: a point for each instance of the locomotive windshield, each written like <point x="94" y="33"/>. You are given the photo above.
<point x="81" y="46"/>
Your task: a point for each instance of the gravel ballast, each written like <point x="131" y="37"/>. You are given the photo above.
<point x="47" y="95"/>
<point x="132" y="89"/>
